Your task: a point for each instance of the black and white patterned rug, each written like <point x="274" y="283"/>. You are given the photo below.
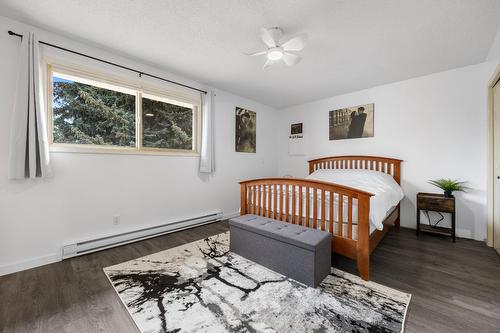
<point x="202" y="287"/>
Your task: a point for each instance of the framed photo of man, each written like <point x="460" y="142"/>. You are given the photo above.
<point x="352" y="123"/>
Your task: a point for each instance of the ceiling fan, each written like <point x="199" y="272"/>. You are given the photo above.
<point x="276" y="50"/>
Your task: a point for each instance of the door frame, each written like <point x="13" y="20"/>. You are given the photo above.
<point x="490" y="168"/>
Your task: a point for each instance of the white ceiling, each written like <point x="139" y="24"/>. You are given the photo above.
<point x="353" y="44"/>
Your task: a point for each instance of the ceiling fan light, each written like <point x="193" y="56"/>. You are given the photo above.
<point x="275" y="53"/>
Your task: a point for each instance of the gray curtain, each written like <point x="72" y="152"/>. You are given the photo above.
<point x="207" y="153"/>
<point x="29" y="154"/>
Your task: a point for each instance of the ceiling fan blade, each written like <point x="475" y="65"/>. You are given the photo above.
<point x="256" y="53"/>
<point x="268" y="63"/>
<point x="267" y="37"/>
<point x="291" y="59"/>
<point x="297" y="43"/>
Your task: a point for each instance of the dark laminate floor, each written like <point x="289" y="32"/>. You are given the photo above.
<point x="455" y="287"/>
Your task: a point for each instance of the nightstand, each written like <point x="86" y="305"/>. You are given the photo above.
<point x="436" y="203"/>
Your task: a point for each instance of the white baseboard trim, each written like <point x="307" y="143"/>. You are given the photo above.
<point x="226" y="216"/>
<point x="462" y="233"/>
<point x="86" y="246"/>
<point x="29" y="263"/>
<point x="51" y="258"/>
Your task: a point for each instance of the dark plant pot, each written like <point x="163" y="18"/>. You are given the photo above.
<point x="448" y="194"/>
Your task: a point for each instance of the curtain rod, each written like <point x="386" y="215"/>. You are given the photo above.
<point x="141" y="73"/>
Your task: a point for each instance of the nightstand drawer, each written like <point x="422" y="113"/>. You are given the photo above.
<point x="437" y="204"/>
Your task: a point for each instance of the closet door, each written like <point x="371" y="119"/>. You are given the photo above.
<point x="496" y="147"/>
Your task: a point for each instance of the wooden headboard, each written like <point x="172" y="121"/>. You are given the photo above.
<point x="391" y="166"/>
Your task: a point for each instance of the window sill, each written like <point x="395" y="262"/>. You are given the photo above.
<point x="61" y="148"/>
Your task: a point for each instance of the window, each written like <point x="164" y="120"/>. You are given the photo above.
<point x="88" y="113"/>
<point x="166" y="124"/>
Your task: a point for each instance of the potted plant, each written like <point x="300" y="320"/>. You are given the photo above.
<point x="449" y="186"/>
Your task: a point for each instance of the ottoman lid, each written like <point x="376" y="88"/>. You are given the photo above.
<point x="297" y="235"/>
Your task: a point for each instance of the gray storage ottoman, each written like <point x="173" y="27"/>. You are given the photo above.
<point x="300" y="253"/>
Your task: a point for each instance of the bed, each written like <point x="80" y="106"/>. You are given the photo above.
<point x="356" y="198"/>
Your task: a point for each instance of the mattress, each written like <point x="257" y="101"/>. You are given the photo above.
<point x="386" y="192"/>
<point x="355" y="227"/>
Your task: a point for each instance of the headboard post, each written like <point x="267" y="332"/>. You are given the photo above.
<point x="243" y="199"/>
<point x="397" y="171"/>
<point x="311" y="167"/>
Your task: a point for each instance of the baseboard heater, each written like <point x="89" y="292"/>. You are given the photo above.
<point x="88" y="246"/>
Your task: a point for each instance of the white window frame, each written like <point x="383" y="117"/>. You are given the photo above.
<point x="127" y="86"/>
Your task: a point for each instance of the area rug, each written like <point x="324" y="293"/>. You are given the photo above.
<point x="202" y="287"/>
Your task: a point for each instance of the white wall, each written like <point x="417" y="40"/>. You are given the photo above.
<point x="437" y="124"/>
<point x="494" y="52"/>
<point x="37" y="217"/>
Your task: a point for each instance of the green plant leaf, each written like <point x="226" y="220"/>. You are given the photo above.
<point x="449" y="185"/>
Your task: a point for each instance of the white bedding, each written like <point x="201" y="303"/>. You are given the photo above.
<point x="387" y="193"/>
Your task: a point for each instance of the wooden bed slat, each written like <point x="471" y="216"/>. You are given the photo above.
<point x="275" y="201"/>
<point x="287" y="202"/>
<point x="349" y="217"/>
<point x="301" y="203"/>
<point x="252" y="203"/>
<point x="330" y="212"/>
<point x="315" y="208"/>
<point x="340" y="216"/>
<point x="308" y="199"/>
<point x="259" y="203"/>
<point x="323" y="209"/>
<point x="269" y="200"/>
<point x="281" y="203"/>
<point x="264" y="200"/>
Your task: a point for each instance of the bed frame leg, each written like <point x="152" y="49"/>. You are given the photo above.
<point x="363" y="242"/>
<point x="397" y="222"/>
<point x="363" y="262"/>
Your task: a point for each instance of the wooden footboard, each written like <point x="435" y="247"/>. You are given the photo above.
<point x="334" y="208"/>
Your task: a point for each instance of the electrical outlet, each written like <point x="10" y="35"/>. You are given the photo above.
<point x="116" y="219"/>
